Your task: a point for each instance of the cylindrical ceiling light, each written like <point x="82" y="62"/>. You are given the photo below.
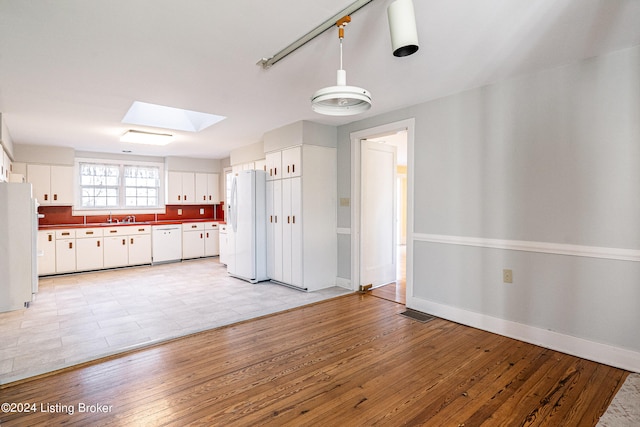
<point x="341" y="100"/>
<point x="402" y="24"/>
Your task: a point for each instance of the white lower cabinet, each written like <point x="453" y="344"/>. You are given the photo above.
<point x="116" y="251"/>
<point x="127" y="245"/>
<point x="211" y="239"/>
<point x="89" y="249"/>
<point x="222" y="246"/>
<point x="192" y="240"/>
<point x="140" y="249"/>
<point x="46" y="252"/>
<point x="65" y="251"/>
<point x="292" y="232"/>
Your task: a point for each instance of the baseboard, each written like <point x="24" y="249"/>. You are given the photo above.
<point x="590" y="350"/>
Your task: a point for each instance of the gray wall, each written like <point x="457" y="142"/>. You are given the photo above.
<point x="302" y="132"/>
<point x="550" y="157"/>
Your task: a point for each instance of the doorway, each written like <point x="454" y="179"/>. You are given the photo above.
<point x="380" y="215"/>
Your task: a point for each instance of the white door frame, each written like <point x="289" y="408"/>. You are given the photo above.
<point x="356" y="137"/>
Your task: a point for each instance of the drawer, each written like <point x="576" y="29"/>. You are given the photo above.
<point x="88" y="232"/>
<point x="115" y="231"/>
<point x="66" y="234"/>
<point x="192" y="226"/>
<point x="210" y="225"/>
<point x="138" y="229"/>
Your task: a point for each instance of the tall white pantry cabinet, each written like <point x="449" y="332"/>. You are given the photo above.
<point x="301" y="216"/>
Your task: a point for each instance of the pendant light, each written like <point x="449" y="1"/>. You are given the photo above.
<point x="402" y="25"/>
<point x="341" y="100"/>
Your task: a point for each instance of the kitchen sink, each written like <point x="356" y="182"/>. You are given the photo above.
<point x="125" y="223"/>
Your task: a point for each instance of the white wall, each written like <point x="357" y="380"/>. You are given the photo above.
<point x="27" y="153"/>
<point x="529" y="174"/>
<point x="247" y="154"/>
<point x="302" y="132"/>
<point x="5" y="138"/>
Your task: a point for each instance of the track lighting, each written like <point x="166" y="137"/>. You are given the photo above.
<point x="402" y="25"/>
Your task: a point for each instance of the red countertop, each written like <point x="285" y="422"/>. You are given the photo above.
<point x="124" y="224"/>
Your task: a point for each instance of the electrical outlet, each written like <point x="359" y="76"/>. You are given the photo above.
<point x="507" y="276"/>
<point x="201" y="211"/>
<point x="179" y="211"/>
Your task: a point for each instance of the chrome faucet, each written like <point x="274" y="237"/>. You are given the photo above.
<point x="110" y="219"/>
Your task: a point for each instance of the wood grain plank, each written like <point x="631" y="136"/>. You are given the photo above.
<point x="347" y="361"/>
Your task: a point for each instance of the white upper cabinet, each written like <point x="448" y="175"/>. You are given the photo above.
<point x="291" y="162"/>
<point x="52" y="184"/>
<point x="5" y="166"/>
<point x="181" y="188"/>
<point x="193" y="188"/>
<point x="207" y="188"/>
<point x="274" y="165"/>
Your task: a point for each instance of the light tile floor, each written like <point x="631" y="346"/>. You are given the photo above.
<point x="81" y="317"/>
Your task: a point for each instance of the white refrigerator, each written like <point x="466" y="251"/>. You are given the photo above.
<point x="18" y="246"/>
<point x="247" y="227"/>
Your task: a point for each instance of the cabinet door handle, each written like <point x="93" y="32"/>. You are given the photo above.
<point x="207" y="235"/>
<point x="50" y="237"/>
<point x="288" y="219"/>
<point x="293" y="168"/>
<point x="185" y="197"/>
<point x="275" y="171"/>
<point x="179" y="197"/>
<point x="70" y="245"/>
<point x="55" y="197"/>
<point x="113" y="231"/>
<point x="276" y="218"/>
<point x="293" y="219"/>
<point x="204" y="198"/>
<point x="131" y="241"/>
<point x="65" y="233"/>
<point x="98" y="243"/>
<point x="288" y="171"/>
<point x="46" y="197"/>
<point x="270" y="218"/>
<point x="124" y="242"/>
<point x="88" y="232"/>
<point x="209" y="196"/>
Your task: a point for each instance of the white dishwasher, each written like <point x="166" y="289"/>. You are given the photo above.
<point x="166" y="243"/>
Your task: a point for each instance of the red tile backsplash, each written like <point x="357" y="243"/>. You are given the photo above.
<point x="59" y="215"/>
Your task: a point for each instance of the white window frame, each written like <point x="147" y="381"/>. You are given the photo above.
<point x="78" y="209"/>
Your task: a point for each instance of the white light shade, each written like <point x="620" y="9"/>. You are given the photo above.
<point x="402" y="25"/>
<point x="148" y="138"/>
<point x="341" y="100"/>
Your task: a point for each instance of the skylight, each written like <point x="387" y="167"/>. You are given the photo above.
<point x="142" y="113"/>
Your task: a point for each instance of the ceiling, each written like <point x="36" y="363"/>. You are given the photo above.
<point x="70" y="69"/>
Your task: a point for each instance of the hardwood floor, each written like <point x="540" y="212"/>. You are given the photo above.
<point x="351" y="360"/>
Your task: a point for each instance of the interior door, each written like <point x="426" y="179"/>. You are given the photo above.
<point x="378" y="214"/>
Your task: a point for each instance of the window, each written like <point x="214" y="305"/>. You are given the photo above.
<point x="116" y="185"/>
<point x="99" y="185"/>
<point x="142" y="186"/>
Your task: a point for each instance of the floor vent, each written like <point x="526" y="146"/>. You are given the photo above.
<point x="416" y="315"/>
